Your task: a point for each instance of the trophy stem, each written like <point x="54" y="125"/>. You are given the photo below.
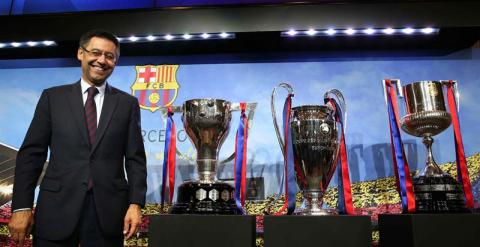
<point x="207" y="170"/>
<point x="436" y="191"/>
<point x="431" y="167"/>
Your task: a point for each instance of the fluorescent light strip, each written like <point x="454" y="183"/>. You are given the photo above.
<point x="27" y="44"/>
<point x="176" y="37"/>
<point x="361" y="32"/>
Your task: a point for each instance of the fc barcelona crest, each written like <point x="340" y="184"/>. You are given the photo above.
<point x="155" y="86"/>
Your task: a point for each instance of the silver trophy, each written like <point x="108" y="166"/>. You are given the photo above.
<point x="316" y="143"/>
<point x="207" y="123"/>
<point x="427" y="116"/>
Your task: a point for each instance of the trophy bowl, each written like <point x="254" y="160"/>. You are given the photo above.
<point x="207" y="123"/>
<point x="426" y="116"/>
<point x="315" y="140"/>
<point x="426" y="112"/>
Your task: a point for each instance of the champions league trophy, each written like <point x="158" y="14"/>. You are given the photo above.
<point x="426" y="116"/>
<point x="207" y="122"/>
<point x="316" y="141"/>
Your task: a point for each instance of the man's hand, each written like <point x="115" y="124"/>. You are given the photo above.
<point x="20" y="225"/>
<point x="132" y="220"/>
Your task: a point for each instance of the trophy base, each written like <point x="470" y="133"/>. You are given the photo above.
<point x="205" y="198"/>
<point x="438" y="194"/>
<point x="313" y="206"/>
<point x="316" y="212"/>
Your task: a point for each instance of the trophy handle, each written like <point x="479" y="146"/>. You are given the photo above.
<point x="178" y="109"/>
<point x="455" y="91"/>
<point x="274" y="115"/>
<point x="250" y="107"/>
<point x="342" y="104"/>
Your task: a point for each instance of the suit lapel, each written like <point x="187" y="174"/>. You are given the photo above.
<point x="75" y="102"/>
<point x="109" y="104"/>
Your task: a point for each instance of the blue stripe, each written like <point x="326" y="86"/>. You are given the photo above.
<point x="290" y="176"/>
<point x="239" y="163"/>
<point x="398" y="144"/>
<point x="168" y="134"/>
<point x="341" y="205"/>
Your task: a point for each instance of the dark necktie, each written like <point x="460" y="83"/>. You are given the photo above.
<point x="91" y="119"/>
<point x="91" y="114"/>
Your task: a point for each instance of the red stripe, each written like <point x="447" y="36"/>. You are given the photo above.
<point x="166" y="96"/>
<point x="161" y="74"/>
<point x="244" y="155"/>
<point x="461" y="160"/>
<point x="393" y="97"/>
<point x="142" y="97"/>
<point x="167" y="74"/>
<point x="171" y="161"/>
<point x="408" y="185"/>
<point x="346" y="178"/>
<point x="244" y="165"/>
<point x="347" y="190"/>
<point x="395" y="165"/>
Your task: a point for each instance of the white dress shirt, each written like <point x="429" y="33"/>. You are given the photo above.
<point x="98" y="98"/>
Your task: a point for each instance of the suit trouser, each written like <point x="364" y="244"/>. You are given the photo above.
<point x="87" y="233"/>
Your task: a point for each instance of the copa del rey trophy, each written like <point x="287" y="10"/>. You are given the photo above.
<point x="426" y="116"/>
<point x="207" y="123"/>
<point x="315" y="136"/>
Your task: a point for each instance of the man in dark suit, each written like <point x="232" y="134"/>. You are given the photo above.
<point x="93" y="132"/>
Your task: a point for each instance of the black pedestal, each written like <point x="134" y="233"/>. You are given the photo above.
<point x="441" y="194"/>
<point x="429" y="230"/>
<point x="317" y="231"/>
<point x="205" y="198"/>
<point x="201" y="231"/>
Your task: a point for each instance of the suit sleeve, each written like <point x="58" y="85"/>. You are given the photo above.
<point x="135" y="160"/>
<point x="32" y="155"/>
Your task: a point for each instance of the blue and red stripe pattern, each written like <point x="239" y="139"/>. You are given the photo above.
<point x="240" y="164"/>
<point x="462" y="170"/>
<point x="289" y="162"/>
<point x="402" y="172"/>
<point x="169" y="158"/>
<point x="345" y="200"/>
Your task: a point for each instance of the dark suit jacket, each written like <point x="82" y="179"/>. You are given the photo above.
<point x="59" y="124"/>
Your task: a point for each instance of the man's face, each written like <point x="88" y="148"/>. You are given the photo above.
<point x="98" y="60"/>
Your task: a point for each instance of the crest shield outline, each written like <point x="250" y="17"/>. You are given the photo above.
<point x="155" y="86"/>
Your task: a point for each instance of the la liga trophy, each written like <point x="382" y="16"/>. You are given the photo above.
<point x="207" y="123"/>
<point x="426" y="116"/>
<point x="315" y="137"/>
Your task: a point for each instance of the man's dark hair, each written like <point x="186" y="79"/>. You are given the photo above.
<point x="99" y="33"/>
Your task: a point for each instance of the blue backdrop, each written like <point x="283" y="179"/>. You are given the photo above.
<point x="367" y="132"/>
